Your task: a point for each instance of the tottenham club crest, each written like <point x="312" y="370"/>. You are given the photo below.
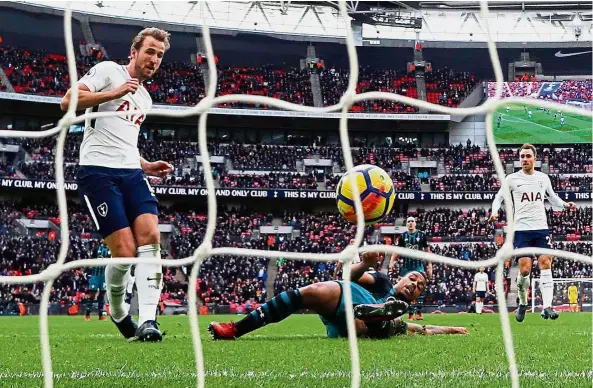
<point x="541" y="184"/>
<point x="102" y="209"/>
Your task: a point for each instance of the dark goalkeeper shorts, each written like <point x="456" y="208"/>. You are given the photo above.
<point x="115" y="197"/>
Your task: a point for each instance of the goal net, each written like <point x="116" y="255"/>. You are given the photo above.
<point x="205" y="250"/>
<point x="561" y="301"/>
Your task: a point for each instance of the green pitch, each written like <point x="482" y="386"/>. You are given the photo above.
<point x="518" y="128"/>
<point x="296" y="353"/>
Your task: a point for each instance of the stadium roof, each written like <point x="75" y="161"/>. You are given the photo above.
<point x="536" y="21"/>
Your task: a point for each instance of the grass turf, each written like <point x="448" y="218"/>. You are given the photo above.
<point x="296" y="353"/>
<point x="517" y="128"/>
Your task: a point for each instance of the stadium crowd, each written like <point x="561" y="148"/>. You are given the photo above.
<point x="467" y="168"/>
<point x="279" y="180"/>
<point x="443" y="87"/>
<point x="580" y="90"/>
<point x="240" y="282"/>
<point x="290" y="84"/>
<point x="45" y="73"/>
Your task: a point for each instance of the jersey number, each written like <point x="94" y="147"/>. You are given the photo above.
<point x="149" y="187"/>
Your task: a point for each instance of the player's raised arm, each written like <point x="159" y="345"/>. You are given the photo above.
<point x="398" y="243"/>
<point x="90" y="88"/>
<point x="497" y="203"/>
<point x="358" y="273"/>
<point x="554" y="199"/>
<point x="392" y="261"/>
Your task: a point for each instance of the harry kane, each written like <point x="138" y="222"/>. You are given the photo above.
<point x="112" y="178"/>
<point x="528" y="189"/>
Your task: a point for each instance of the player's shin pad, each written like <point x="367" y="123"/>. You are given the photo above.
<point x="546" y="287"/>
<point x="273" y="311"/>
<point x="149" y="282"/>
<point x="522" y="286"/>
<point x="116" y="276"/>
<point x="101" y="301"/>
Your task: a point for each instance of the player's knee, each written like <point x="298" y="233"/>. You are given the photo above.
<point x="313" y="289"/>
<point x="545" y="262"/>
<point x="122" y="248"/>
<point x="148" y="236"/>
<point x="320" y="293"/>
<point x="525" y="266"/>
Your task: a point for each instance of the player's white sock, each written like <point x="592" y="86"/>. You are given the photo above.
<point x="479" y="307"/>
<point x="129" y="291"/>
<point x="149" y="282"/>
<point x="116" y="277"/>
<point x="546" y="287"/>
<point x="522" y="286"/>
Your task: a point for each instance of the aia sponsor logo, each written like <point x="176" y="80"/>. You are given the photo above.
<point x="531" y="197"/>
<point x="133" y="117"/>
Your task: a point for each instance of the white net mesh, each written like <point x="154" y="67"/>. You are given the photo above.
<point x="206" y="250"/>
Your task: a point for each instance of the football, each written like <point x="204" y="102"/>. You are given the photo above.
<point x="376" y="194"/>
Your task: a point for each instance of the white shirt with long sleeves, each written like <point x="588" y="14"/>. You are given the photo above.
<point x="528" y="193"/>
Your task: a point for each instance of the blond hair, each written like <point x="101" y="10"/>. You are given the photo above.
<point x="528" y="146"/>
<point x="157" y="33"/>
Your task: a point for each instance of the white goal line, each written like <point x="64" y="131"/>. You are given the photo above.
<point x="347" y="255"/>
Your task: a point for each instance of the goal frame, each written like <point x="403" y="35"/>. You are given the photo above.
<point x="206" y="249"/>
<point x="534" y="282"/>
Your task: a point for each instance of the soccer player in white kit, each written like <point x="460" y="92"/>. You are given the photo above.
<point x="528" y="189"/>
<point x="480" y="288"/>
<point x="112" y="178"/>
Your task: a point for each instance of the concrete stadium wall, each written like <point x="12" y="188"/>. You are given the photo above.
<point x="471" y="127"/>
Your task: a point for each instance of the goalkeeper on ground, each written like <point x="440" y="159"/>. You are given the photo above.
<point x="377" y="305"/>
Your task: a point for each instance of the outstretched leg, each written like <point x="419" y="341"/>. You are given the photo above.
<point x="322" y="298"/>
<point x="149" y="277"/>
<point x="523" y="282"/>
<point x="546" y="286"/>
<point x="121" y="244"/>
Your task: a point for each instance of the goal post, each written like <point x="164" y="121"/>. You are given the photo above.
<point x="584" y="285"/>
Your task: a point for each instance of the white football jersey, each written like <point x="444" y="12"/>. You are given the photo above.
<point x="528" y="193"/>
<point x="481" y="279"/>
<point x="113" y="141"/>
